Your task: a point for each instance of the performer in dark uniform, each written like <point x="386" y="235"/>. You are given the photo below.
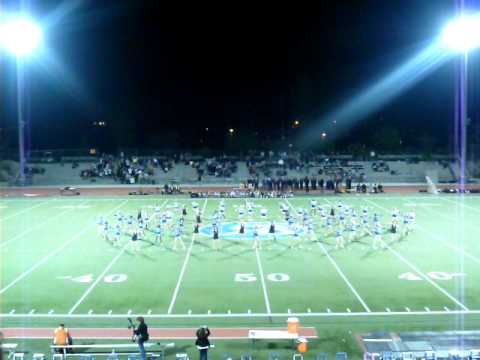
<point x="271" y="231"/>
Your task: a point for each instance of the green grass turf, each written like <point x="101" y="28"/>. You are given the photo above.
<point x="42" y="239"/>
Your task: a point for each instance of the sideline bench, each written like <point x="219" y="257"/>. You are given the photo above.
<point x="255" y="335"/>
<point x="112" y="349"/>
<point x="9" y="348"/>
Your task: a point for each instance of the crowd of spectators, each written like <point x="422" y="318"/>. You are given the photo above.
<point x="127" y="170"/>
<point x="219" y="167"/>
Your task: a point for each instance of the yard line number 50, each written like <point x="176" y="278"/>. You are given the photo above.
<point x="250" y="277"/>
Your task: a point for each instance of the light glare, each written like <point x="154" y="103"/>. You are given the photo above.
<point x="462" y="34"/>
<point x="20" y="37"/>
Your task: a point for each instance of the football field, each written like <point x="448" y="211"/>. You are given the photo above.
<point x="55" y="265"/>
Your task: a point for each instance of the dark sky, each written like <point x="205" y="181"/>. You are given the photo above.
<point x="160" y="72"/>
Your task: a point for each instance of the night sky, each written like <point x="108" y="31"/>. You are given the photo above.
<point x="160" y="74"/>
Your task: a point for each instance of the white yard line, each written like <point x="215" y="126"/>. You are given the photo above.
<point x="24" y="210"/>
<point x="247" y="315"/>
<point x="35" y="227"/>
<point x="417" y="270"/>
<point x="54" y="252"/>
<point x="343" y="276"/>
<point x="339" y="271"/>
<point x="99" y="278"/>
<point x="427" y="278"/>
<point x="184" y="267"/>
<point x="460" y="202"/>
<point x="449" y="245"/>
<point x="104" y="272"/>
<point x="444" y="242"/>
<point x="262" y="278"/>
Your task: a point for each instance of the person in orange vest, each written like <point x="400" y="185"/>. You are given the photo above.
<point x="62" y="337"/>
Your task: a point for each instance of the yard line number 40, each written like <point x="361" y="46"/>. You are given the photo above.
<point x="88" y="278"/>
<point x="435" y="275"/>
<point x="250" y="277"/>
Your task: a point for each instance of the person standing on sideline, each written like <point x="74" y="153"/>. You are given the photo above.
<point x="61" y="337"/>
<point x="202" y="342"/>
<point x="141" y="334"/>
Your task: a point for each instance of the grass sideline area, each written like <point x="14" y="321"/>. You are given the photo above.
<point x="55" y="268"/>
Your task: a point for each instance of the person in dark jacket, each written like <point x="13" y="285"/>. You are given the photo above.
<point x="141" y="335"/>
<point x="202" y="342"/>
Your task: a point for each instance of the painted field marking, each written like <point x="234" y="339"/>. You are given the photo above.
<point x="25" y="210"/>
<point x="184" y="267"/>
<point x="446" y="243"/>
<point x="460" y="202"/>
<point x="248" y="314"/>
<point x="417" y="270"/>
<point x="262" y="279"/>
<point x="99" y="278"/>
<point x="55" y="252"/>
<point x="339" y="271"/>
<point x="103" y="274"/>
<point x="35" y="227"/>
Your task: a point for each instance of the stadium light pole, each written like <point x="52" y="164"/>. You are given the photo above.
<point x="461" y="36"/>
<point x="20" y="37"/>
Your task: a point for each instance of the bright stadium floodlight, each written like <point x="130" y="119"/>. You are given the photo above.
<point x="20" y="36"/>
<point x="463" y="33"/>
